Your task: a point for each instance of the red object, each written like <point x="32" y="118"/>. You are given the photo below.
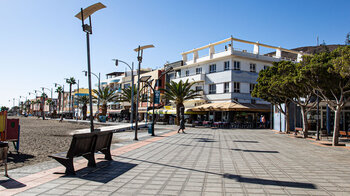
<point x="12" y="129"/>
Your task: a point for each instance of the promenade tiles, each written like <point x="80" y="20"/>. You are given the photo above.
<point x="205" y="162"/>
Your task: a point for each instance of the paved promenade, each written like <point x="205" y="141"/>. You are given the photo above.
<point x="201" y="162"/>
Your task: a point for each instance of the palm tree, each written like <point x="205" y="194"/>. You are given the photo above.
<point x="59" y="90"/>
<point x="105" y="95"/>
<point x="70" y="81"/>
<point x="42" y="105"/>
<point x="180" y="92"/>
<point x="49" y="102"/>
<point x="84" y="100"/>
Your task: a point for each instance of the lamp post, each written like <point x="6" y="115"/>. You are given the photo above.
<point x="87" y="28"/>
<point x="99" y="86"/>
<point x="317" y="120"/>
<point x="132" y="88"/>
<point x="154" y="93"/>
<point x="139" y="51"/>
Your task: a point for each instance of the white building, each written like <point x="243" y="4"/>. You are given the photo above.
<point x="228" y="75"/>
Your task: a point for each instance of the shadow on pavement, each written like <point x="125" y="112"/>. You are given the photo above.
<point x="11" y="184"/>
<point x="261" y="151"/>
<point x="204" y="140"/>
<point x="238" y="178"/>
<point x="247" y="141"/>
<point x="18" y="158"/>
<point x="104" y="171"/>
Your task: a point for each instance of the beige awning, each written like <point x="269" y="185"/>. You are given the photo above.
<point x="231" y="106"/>
<point x="194" y="103"/>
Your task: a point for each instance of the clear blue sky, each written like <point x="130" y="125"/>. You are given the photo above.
<point x="42" y="42"/>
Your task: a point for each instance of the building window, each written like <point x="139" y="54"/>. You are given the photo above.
<point x="253" y="101"/>
<point x="265" y="67"/>
<point x="178" y="74"/>
<point x="236" y="87"/>
<point x="198" y="88"/>
<point x="212" y="68"/>
<point x="187" y="72"/>
<point x="226" y="65"/>
<point x="251" y="87"/>
<point x="226" y="87"/>
<point x="237" y="65"/>
<point x="198" y="70"/>
<point x="252" y="67"/>
<point x="212" y="88"/>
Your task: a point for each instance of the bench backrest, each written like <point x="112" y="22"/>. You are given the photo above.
<point x="103" y="140"/>
<point x="82" y="144"/>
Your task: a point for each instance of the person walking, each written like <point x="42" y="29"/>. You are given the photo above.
<point x="182" y="125"/>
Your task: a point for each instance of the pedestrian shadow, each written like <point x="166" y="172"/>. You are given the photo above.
<point x="259" y="151"/>
<point x="245" y="141"/>
<point x="204" y="140"/>
<point x="18" y="157"/>
<point x="239" y="178"/>
<point x="11" y="183"/>
<point x="104" y="171"/>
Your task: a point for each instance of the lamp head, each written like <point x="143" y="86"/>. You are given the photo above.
<point x="89" y="11"/>
<point x="143" y="47"/>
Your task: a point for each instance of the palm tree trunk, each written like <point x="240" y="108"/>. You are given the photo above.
<point x="104" y="109"/>
<point x="178" y="111"/>
<point x="84" y="111"/>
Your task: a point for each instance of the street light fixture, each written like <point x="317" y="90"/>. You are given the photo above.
<point x="139" y="51"/>
<point x="87" y="28"/>
<point x="132" y="88"/>
<point x="169" y="69"/>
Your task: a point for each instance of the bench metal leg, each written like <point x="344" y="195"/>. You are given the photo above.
<point x="91" y="159"/>
<point x="107" y="154"/>
<point x="68" y="164"/>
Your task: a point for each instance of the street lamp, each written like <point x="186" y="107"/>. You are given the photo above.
<point x="87" y="28"/>
<point x="132" y="88"/>
<point x="99" y="83"/>
<point x="169" y="69"/>
<point x="139" y="51"/>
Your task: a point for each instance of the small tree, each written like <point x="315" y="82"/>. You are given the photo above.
<point x="290" y="83"/>
<point x="267" y="89"/>
<point x="329" y="76"/>
<point x="180" y="92"/>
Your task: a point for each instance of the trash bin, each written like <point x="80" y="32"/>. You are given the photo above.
<point x="150" y="128"/>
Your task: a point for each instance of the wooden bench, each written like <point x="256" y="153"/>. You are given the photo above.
<point x="85" y="145"/>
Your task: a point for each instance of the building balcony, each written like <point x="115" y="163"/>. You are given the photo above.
<point x="191" y="78"/>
